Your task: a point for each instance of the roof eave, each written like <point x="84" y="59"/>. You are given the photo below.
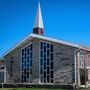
<point x="41" y="37"/>
<point x="18" y="45"/>
<point x="55" y="40"/>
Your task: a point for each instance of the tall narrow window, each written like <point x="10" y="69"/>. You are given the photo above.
<point x="82" y="60"/>
<point x="88" y="60"/>
<point x="26" y="65"/>
<point x="46" y="62"/>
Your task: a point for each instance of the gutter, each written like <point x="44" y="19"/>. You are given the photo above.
<point x="75" y="59"/>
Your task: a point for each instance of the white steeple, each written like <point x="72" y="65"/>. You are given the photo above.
<point x="38" y="19"/>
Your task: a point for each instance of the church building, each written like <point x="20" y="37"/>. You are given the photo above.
<point x="38" y="59"/>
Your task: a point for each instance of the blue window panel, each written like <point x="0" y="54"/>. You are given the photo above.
<point x="31" y="47"/>
<point x="48" y="53"/>
<point x="51" y="56"/>
<point x="44" y="57"/>
<point x="44" y="49"/>
<point x="30" y="63"/>
<point x="48" y="46"/>
<point x="30" y="55"/>
<point x="44" y="65"/>
<point x="41" y="62"/>
<point x="41" y="45"/>
<point x="41" y="53"/>
<point x="51" y="48"/>
<point x="47" y="61"/>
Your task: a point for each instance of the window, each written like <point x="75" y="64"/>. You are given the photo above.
<point x="44" y="65"/>
<point x="48" y="53"/>
<point x="41" y="45"/>
<point x="46" y="62"/>
<point x="22" y="52"/>
<point x="28" y="50"/>
<point x="44" y="49"/>
<point x="82" y="60"/>
<point x="44" y="57"/>
<point x="88" y="59"/>
<point x="48" y="70"/>
<point x="48" y="78"/>
<point x="26" y="65"/>
<point x="52" y="74"/>
<point x="48" y="45"/>
<point x="41" y="54"/>
<point x="51" y="56"/>
<point x="41" y="62"/>
<point x="51" y="65"/>
<point x="41" y="70"/>
<point x="51" y="48"/>
<point x="44" y="74"/>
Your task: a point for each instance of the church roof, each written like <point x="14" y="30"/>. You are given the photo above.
<point x="43" y="38"/>
<point x="38" y="19"/>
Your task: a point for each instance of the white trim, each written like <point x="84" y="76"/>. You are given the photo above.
<point x="54" y="40"/>
<point x="88" y="67"/>
<point x="83" y="86"/>
<point x="41" y="37"/>
<point x="18" y="44"/>
<point x="75" y="60"/>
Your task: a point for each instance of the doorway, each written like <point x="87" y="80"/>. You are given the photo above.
<point x="83" y="76"/>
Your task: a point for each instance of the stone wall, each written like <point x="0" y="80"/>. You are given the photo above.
<point x="13" y="64"/>
<point x="35" y="62"/>
<point x="64" y="71"/>
<point x="63" y="64"/>
<point x="1" y="77"/>
<point x="2" y="70"/>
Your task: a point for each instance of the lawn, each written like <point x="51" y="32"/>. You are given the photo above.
<point x="85" y="89"/>
<point x="35" y="89"/>
<point x="29" y="89"/>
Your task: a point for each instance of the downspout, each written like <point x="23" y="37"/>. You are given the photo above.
<point x="75" y="59"/>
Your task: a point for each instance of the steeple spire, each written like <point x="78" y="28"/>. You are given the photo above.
<point x="38" y="26"/>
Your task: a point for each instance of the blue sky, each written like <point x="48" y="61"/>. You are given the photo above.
<point x="63" y="19"/>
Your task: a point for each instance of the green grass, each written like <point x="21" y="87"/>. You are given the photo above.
<point x="85" y="89"/>
<point x="35" y="89"/>
<point x="29" y="89"/>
